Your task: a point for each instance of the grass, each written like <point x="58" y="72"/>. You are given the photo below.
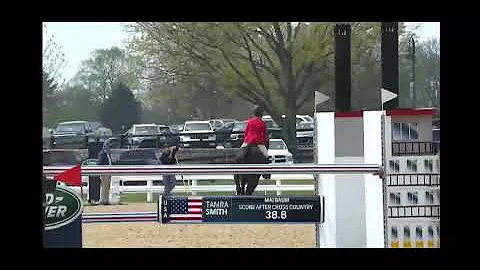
<point x="142" y="198"/>
<point x="133" y="197"/>
<point x="262" y="182"/>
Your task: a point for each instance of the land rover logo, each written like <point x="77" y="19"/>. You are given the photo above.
<point x="60" y="208"/>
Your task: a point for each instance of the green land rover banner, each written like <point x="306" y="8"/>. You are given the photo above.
<point x="61" y="208"/>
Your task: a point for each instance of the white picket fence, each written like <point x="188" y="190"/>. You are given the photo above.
<point x="190" y="184"/>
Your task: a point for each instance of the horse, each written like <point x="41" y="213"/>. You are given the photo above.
<point x="246" y="183"/>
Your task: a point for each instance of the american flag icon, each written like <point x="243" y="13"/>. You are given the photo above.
<point x="188" y="209"/>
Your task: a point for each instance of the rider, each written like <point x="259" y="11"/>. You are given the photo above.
<point x="256" y="133"/>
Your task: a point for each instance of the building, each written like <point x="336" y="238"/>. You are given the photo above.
<point x="412" y="182"/>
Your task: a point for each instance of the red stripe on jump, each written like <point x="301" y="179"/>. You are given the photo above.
<point x="349" y="114"/>
<point x="407" y="112"/>
<point x="124" y="219"/>
<point x="187" y="218"/>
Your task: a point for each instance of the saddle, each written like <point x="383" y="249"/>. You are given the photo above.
<point x="252" y="154"/>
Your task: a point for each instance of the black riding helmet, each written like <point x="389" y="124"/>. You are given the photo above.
<point x="258" y="110"/>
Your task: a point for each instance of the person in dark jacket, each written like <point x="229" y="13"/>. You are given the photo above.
<point x="168" y="157"/>
<point x="105" y="158"/>
<point x="94" y="180"/>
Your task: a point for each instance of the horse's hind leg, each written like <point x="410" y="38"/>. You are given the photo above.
<point x="238" y="185"/>
<point x="252" y="183"/>
<point x="243" y="183"/>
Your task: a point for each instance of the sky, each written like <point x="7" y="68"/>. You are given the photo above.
<point x="79" y="39"/>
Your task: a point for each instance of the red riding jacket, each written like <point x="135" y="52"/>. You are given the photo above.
<point x="256" y="131"/>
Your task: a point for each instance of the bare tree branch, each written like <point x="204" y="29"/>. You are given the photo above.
<point x="297" y="30"/>
<point x="241" y="75"/>
<point x="289" y="35"/>
<point x="300" y="103"/>
<point x="271" y="41"/>
<point x="270" y="69"/>
<point x="305" y="73"/>
<point x="247" y="94"/>
<point x="252" y="96"/>
<point x="279" y="35"/>
<point x="254" y="67"/>
<point x="259" y="48"/>
<point x="252" y="40"/>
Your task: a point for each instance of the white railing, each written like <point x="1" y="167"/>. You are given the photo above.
<point x="194" y="173"/>
<point x="149" y="190"/>
<point x="190" y="184"/>
<point x="219" y="169"/>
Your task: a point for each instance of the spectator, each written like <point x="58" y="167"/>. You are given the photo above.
<point x="168" y="157"/>
<point x="94" y="180"/>
<point x="105" y="158"/>
<point x="103" y="133"/>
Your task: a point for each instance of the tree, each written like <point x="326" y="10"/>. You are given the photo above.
<point x="53" y="61"/>
<point x="108" y="67"/>
<point x="48" y="88"/>
<point x="120" y="110"/>
<point x="53" y="58"/>
<point x="73" y="102"/>
<point x="428" y="73"/>
<point x="276" y="65"/>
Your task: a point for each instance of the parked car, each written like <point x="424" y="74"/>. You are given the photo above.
<point x="198" y="134"/>
<point x="163" y="128"/>
<point x="73" y="134"/>
<point x="305" y="134"/>
<point x="138" y="156"/>
<point x="232" y="134"/>
<point x="304" y="118"/>
<point x="278" y="152"/>
<point x="151" y="142"/>
<point x="299" y="118"/>
<point x="96" y="125"/>
<point x="176" y="128"/>
<point x="304" y="123"/>
<point x="218" y="123"/>
<point x="63" y="157"/>
<point x="274" y="130"/>
<point x="269" y="121"/>
<point x="140" y="132"/>
<point x="223" y="133"/>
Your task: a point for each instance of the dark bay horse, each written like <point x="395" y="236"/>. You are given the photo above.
<point x="246" y="183"/>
